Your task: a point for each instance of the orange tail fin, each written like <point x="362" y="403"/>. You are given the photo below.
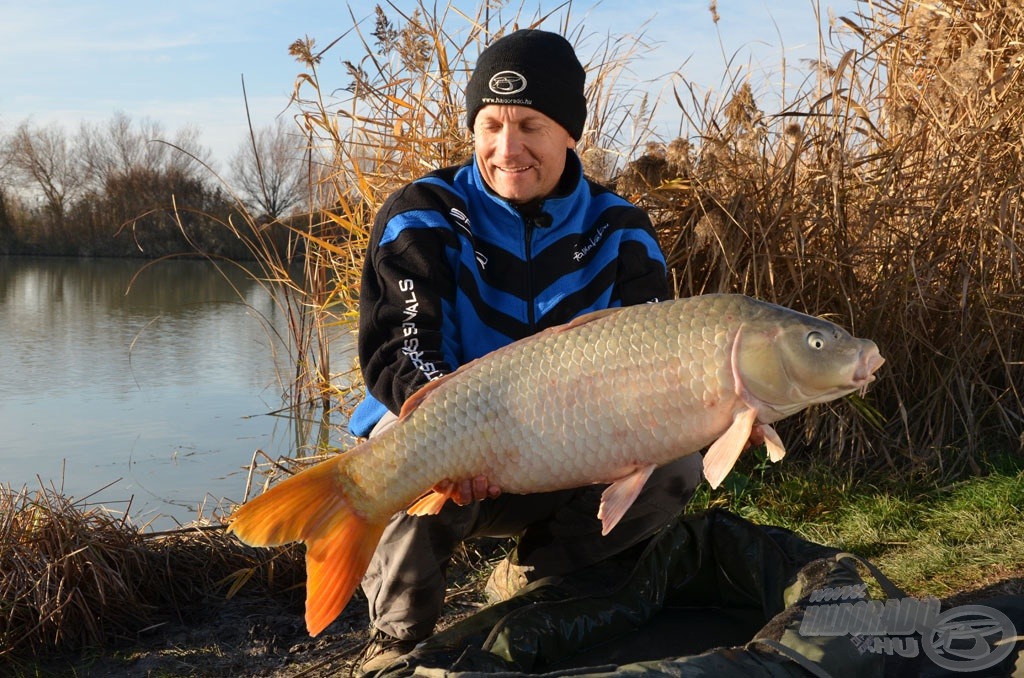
<point x="311" y="507"/>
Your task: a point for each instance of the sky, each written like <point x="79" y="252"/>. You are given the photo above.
<point x="182" y="63"/>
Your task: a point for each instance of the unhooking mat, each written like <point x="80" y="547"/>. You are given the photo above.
<point x="716" y="595"/>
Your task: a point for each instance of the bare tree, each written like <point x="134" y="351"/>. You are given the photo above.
<point x="5" y="192"/>
<point x="185" y="154"/>
<point x="5" y="160"/>
<point x="121" y="147"/>
<point x="268" y="170"/>
<point x="45" y="160"/>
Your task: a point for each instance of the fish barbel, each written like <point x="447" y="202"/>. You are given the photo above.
<point x="606" y="398"/>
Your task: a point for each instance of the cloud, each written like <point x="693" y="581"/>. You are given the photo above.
<point x="56" y="31"/>
<point x="181" y="64"/>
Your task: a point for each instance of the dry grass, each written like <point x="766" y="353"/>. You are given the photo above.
<point x="885" y="193"/>
<point x="74" y="576"/>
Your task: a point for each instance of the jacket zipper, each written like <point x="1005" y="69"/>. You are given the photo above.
<point x="531" y="319"/>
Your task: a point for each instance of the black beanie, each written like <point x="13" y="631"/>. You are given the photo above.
<point x="530" y="68"/>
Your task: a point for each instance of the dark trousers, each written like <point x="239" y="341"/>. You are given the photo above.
<point x="558" y="532"/>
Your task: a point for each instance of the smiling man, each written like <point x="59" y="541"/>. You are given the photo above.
<point x="520" y="152"/>
<point x="468" y="259"/>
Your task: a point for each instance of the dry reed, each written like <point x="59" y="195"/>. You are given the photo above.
<point x="888" y="196"/>
<point x="74" y="576"/>
<point x="884" y="193"/>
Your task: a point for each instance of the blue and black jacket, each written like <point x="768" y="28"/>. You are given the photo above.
<point x="454" y="271"/>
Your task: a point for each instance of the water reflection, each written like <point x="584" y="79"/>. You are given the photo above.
<point x="162" y="377"/>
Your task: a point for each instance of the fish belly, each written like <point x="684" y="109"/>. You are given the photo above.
<point x="566" y="409"/>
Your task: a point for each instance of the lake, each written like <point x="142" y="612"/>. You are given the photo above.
<point x="161" y="381"/>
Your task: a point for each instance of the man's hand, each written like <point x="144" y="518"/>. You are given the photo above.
<point x="468" y="490"/>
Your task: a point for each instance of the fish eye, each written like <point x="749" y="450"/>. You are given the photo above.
<point x="816" y="340"/>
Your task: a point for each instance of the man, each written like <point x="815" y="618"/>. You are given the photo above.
<point x="468" y="259"/>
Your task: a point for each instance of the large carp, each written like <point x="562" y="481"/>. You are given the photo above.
<point x="606" y="398"/>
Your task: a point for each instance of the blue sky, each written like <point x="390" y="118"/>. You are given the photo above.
<point x="181" y="63"/>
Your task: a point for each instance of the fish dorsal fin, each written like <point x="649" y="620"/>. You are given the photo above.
<point x="586" y="318"/>
<point x="414" y="401"/>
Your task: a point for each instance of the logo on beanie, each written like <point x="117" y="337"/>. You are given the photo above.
<point x="507" y="82"/>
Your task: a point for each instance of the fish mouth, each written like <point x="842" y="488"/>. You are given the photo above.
<point x="870" y="361"/>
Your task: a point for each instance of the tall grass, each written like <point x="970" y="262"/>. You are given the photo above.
<point x="884" y="192"/>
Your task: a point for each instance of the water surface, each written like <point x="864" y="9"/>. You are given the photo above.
<point x="159" y="381"/>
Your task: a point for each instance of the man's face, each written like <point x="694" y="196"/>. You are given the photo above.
<point x="520" y="151"/>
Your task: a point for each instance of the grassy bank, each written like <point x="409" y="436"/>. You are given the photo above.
<point x="930" y="540"/>
<point x="78" y="586"/>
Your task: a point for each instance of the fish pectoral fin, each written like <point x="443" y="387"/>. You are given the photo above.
<point x="724" y="452"/>
<point x="620" y="495"/>
<point x="773" y="443"/>
<point x="430" y="504"/>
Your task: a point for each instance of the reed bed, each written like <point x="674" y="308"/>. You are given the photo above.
<point x="74" y="576"/>
<point x="883" y="192"/>
<point x="888" y="195"/>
